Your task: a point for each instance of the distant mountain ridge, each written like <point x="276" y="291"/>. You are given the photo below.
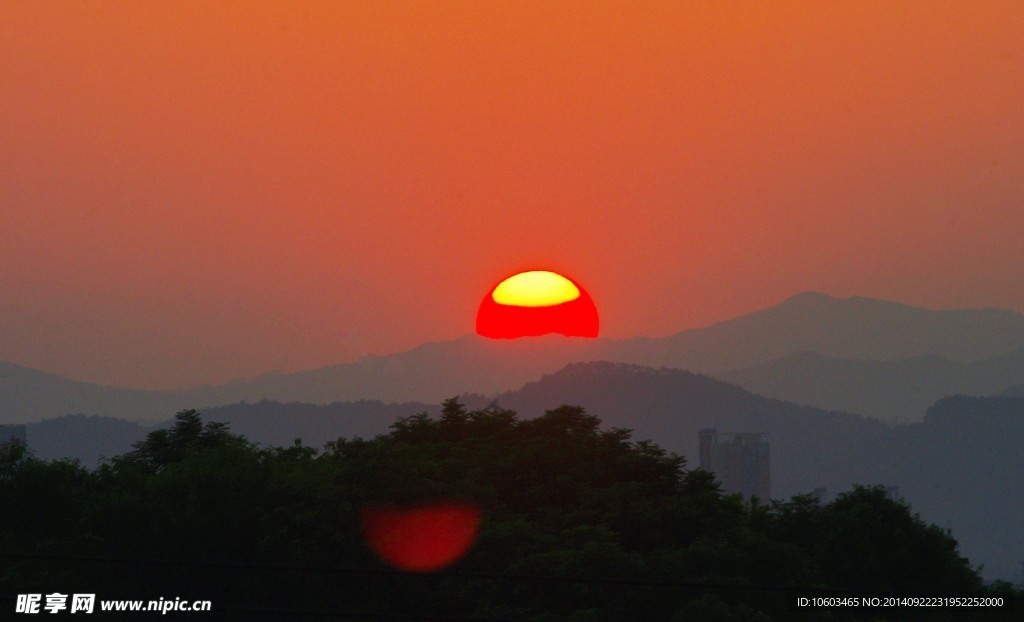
<point x="891" y="390"/>
<point x="960" y="467"/>
<point x="671" y="406"/>
<point x="854" y="328"/>
<point x="850" y="328"/>
<point x="30" y="395"/>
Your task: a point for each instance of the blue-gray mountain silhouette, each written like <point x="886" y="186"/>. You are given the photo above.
<point x="853" y="328"/>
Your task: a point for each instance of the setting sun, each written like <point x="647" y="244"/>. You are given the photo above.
<point x="537" y="302"/>
<point x="537" y="288"/>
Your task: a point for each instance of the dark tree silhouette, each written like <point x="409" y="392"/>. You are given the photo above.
<point x="627" y="530"/>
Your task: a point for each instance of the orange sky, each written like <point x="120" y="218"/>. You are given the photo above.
<point x="196" y="191"/>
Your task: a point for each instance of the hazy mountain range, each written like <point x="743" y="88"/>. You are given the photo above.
<point x="859" y="354"/>
<point x="892" y="390"/>
<point x="960" y="467"/>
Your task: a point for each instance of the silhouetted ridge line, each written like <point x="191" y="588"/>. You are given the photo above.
<point x="851" y="329"/>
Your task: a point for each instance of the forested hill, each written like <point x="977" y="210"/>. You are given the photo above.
<point x="960" y="467"/>
<point x="671" y="406"/>
<point x="550" y="518"/>
<point x="90" y="438"/>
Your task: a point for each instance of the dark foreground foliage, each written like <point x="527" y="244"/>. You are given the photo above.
<point x="578" y="524"/>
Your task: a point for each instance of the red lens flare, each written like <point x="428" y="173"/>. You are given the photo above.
<point x="422" y="537"/>
<point x="534" y="303"/>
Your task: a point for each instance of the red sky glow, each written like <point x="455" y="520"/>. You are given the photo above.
<point x="193" y="192"/>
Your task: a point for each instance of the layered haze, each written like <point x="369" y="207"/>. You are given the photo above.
<point x="196" y="192"/>
<point x="958" y="466"/>
<point x="860" y="355"/>
<point x="285" y="215"/>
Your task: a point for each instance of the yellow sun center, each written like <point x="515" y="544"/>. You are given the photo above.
<point x="538" y="288"/>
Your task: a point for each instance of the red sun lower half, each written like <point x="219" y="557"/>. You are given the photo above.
<point x="534" y="303"/>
